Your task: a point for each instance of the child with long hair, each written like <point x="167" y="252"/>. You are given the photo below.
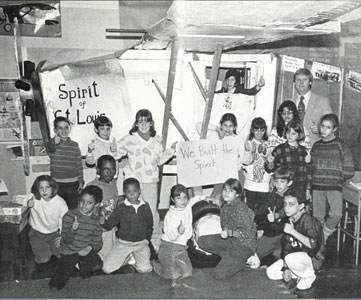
<point x="46" y="212"/>
<point x="237" y="241"/>
<point x="257" y="180"/>
<point x="293" y="155"/>
<point x="145" y="153"/>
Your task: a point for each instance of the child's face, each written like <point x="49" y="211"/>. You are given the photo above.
<point x="259" y="133"/>
<point x="229" y="194"/>
<point x="228" y="127"/>
<point x="231" y="82"/>
<point x="45" y="190"/>
<point x="281" y="184"/>
<point x="107" y="171"/>
<point x="62" y="130"/>
<point x="327" y="129"/>
<point x="104" y="132"/>
<point x="132" y="193"/>
<point x="287" y="115"/>
<point x="144" y="125"/>
<point x="291" y="206"/>
<point x="292" y="136"/>
<point x="87" y="204"/>
<point x="180" y="201"/>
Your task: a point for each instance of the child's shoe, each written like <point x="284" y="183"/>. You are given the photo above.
<point x="306" y="282"/>
<point x="254" y="261"/>
<point x="131" y="260"/>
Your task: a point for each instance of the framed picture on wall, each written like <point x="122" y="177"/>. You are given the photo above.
<point x="10" y="112"/>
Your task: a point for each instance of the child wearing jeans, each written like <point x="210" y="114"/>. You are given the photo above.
<point x="237" y="241"/>
<point x="302" y="244"/>
<point x="46" y="213"/>
<point x="81" y="239"/>
<point x="66" y="162"/>
<point x="332" y="165"/>
<point x="135" y="226"/>
<point x="174" y="262"/>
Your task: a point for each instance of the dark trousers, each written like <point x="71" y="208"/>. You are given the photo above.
<point x="66" y="264"/>
<point x="269" y="245"/>
<point x="233" y="255"/>
<point x="69" y="192"/>
<point x="255" y="199"/>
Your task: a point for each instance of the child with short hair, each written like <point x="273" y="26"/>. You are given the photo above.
<point x="294" y="155"/>
<point x="135" y="225"/>
<point x="302" y="244"/>
<point x="81" y="239"/>
<point x="65" y="162"/>
<point x="46" y="212"/>
<point x="106" y="170"/>
<point x="332" y="165"/>
<point x="102" y="144"/>
<point x="174" y="262"/>
<point x="270" y="216"/>
<point x="237" y="241"/>
<point x="257" y="180"/>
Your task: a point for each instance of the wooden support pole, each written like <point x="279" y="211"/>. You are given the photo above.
<point x="199" y="84"/>
<point x="211" y="89"/>
<point x="171" y="116"/>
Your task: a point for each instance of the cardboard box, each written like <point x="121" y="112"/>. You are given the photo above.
<point x="12" y="209"/>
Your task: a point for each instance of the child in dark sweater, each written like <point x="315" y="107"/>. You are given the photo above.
<point x="135" y="222"/>
<point x="237" y="241"/>
<point x="81" y="239"/>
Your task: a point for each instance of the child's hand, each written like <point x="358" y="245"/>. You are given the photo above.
<point x="289" y="228"/>
<point x="174" y="145"/>
<point x="30" y="202"/>
<point x="271" y="215"/>
<point x="308" y="157"/>
<point x="57" y="242"/>
<point x="287" y="275"/>
<point x="220" y="133"/>
<point x="91" y="146"/>
<point x="248" y="146"/>
<point x="75" y="225"/>
<point x="113" y="146"/>
<point x="181" y="228"/>
<point x="270" y="158"/>
<point x="314" y="127"/>
<point x="261" y="82"/>
<point x="85" y="251"/>
<point x="224" y="234"/>
<point x="80" y="186"/>
<point x="57" y="139"/>
<point x="308" y="195"/>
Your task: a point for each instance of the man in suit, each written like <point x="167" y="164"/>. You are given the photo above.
<point x="311" y="107"/>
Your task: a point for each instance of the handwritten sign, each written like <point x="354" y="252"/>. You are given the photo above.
<point x="292" y="64"/>
<point x="206" y="162"/>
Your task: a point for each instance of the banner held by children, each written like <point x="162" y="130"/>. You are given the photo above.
<point x="206" y="162"/>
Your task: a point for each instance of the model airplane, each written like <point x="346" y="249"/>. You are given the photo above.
<point x="24" y="12"/>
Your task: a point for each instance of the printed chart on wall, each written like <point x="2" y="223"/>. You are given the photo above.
<point x="84" y="92"/>
<point x="10" y="112"/>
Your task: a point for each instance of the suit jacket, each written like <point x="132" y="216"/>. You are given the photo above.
<point x="317" y="107"/>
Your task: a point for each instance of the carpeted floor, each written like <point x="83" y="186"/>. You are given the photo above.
<point x="247" y="284"/>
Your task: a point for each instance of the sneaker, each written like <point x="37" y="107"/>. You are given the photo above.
<point x="306" y="282"/>
<point x="254" y="261"/>
<point x="131" y="260"/>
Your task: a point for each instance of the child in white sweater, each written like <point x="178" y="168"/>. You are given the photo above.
<point x="174" y="262"/>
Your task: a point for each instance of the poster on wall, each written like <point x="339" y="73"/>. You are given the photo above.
<point x="326" y="72"/>
<point x="354" y="81"/>
<point x="206" y="162"/>
<point x="10" y="112"/>
<point x="84" y="92"/>
<point x="37" y="18"/>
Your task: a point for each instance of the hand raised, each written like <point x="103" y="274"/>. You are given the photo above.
<point x="113" y="146"/>
<point x="75" y="225"/>
<point x="57" y="139"/>
<point x="31" y="202"/>
<point x="261" y="82"/>
<point x="181" y="228"/>
<point x="308" y="157"/>
<point x="288" y="228"/>
<point x="271" y="215"/>
<point x="91" y="146"/>
<point x="314" y="127"/>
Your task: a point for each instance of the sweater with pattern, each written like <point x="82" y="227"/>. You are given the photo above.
<point x="332" y="164"/>
<point x="237" y="216"/>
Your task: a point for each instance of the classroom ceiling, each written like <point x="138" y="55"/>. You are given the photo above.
<point x="199" y="25"/>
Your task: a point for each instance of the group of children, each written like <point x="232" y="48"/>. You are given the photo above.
<point x="105" y="231"/>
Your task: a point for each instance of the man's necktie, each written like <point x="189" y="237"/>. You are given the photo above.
<point x="301" y="109"/>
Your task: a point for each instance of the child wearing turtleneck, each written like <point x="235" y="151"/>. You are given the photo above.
<point x="145" y="153"/>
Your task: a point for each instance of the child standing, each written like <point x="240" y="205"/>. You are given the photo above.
<point x="257" y="180"/>
<point x="270" y="216"/>
<point x="81" y="239"/>
<point x="66" y="163"/>
<point x="46" y="212"/>
<point x="135" y="222"/>
<point x="293" y="155"/>
<point x="145" y="153"/>
<point x="106" y="169"/>
<point x="237" y="241"/>
<point x="302" y="244"/>
<point x="173" y="256"/>
<point x="332" y="165"/>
